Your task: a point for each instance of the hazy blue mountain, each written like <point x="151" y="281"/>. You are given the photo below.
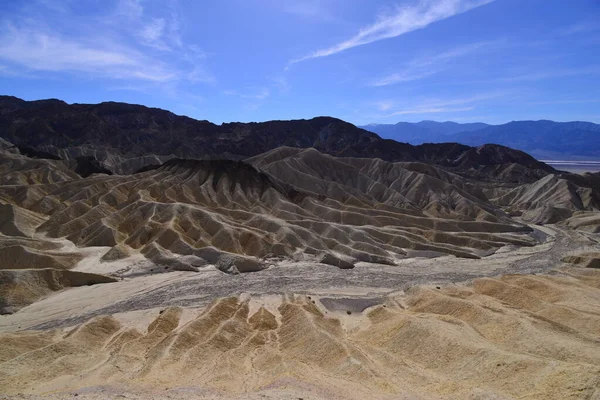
<point x="422" y="132"/>
<point x="449" y="127"/>
<point x="543" y="139"/>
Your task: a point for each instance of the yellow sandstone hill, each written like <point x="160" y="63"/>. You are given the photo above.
<point x="526" y="337"/>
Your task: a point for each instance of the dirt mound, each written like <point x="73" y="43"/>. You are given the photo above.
<point x="234" y="264"/>
<point x="169" y="261"/>
<point x="17" y="221"/>
<point x="330" y="259"/>
<point x="17" y="169"/>
<point x="23" y="257"/>
<point x="552" y="199"/>
<point x="117" y="252"/>
<point x="19" y="288"/>
<point x="584" y="260"/>
<point x="585" y="221"/>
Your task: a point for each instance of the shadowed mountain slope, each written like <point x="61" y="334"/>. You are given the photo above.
<point x="127" y="137"/>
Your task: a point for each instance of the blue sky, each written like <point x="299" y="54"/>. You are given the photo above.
<point x="363" y="61"/>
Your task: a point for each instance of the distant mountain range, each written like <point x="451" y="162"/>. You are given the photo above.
<point x="542" y="139"/>
<point x="424" y="131"/>
<point x="123" y="138"/>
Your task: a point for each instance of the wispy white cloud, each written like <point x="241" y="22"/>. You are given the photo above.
<point x="403" y="20"/>
<point x="194" y="54"/>
<point x="539" y="74"/>
<point x="384" y="105"/>
<point x="55" y="5"/>
<point x="437" y="106"/>
<point x="123" y="44"/>
<point x="44" y="51"/>
<point x="473" y="118"/>
<point x="424" y="110"/>
<point x="565" y="101"/>
<point x="423" y="67"/>
<point x="580" y="27"/>
<point x="200" y="75"/>
<point x="281" y="84"/>
<point x="164" y="33"/>
<point x="130" y="8"/>
<point x="306" y="8"/>
<point x="261" y="93"/>
<point x="141" y="88"/>
<point x="253" y="97"/>
<point x="549" y="74"/>
<point x="407" y="75"/>
<point x="153" y="32"/>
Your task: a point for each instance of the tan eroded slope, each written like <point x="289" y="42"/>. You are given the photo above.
<point x="204" y="208"/>
<point x="526" y="337"/>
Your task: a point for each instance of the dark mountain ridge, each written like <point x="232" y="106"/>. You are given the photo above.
<point x="138" y="130"/>
<point x="115" y="133"/>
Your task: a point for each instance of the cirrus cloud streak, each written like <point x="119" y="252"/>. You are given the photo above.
<point x="404" y="20"/>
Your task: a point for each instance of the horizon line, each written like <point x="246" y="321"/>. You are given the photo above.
<point x="305" y="118"/>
